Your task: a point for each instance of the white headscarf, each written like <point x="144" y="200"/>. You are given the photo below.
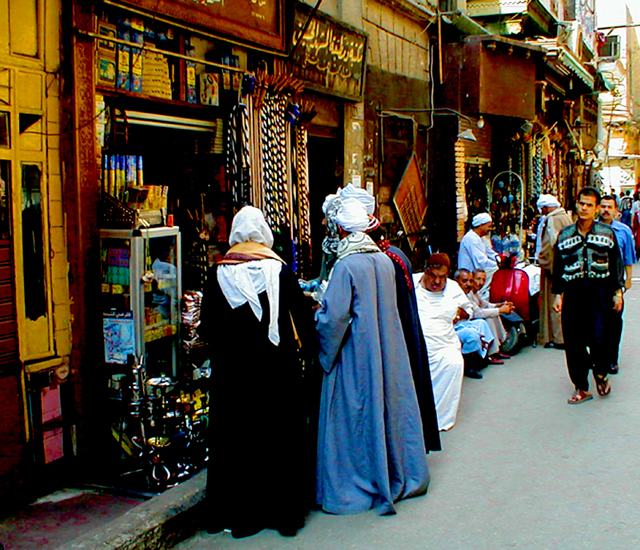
<point x="351" y="192"/>
<point x="547" y="200"/>
<point x="352" y="216"/>
<point x="242" y="283"/>
<point x="249" y="225"/>
<point x="480" y="219"/>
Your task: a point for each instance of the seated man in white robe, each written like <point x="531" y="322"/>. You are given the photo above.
<point x="441" y="303"/>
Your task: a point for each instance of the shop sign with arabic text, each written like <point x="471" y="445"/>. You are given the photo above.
<point x="330" y="56"/>
<point x="256" y="21"/>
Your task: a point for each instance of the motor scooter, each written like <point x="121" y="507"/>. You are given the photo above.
<point x="518" y="283"/>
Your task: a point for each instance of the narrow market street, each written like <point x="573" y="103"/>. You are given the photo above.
<point x="521" y="469"/>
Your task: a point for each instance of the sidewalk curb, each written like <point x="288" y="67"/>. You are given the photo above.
<point x="157" y="524"/>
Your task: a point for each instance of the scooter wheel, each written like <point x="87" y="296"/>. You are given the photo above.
<point x="510" y="344"/>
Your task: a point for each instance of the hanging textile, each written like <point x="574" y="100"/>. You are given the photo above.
<point x="267" y="159"/>
<point x="537" y="169"/>
<point x="239" y="156"/>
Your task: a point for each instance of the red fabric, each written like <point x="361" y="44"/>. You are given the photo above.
<point x="384" y="246"/>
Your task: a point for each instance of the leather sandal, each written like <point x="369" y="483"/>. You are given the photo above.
<point x="602" y="385"/>
<point x="579" y="396"/>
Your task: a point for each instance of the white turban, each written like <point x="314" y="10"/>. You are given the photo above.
<point x="351" y="192"/>
<point x="249" y="225"/>
<point x="480" y="219"/>
<point x="352" y="216"/>
<point x="547" y="200"/>
<point x="328" y="201"/>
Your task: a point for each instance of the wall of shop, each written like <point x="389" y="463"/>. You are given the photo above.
<point x="35" y="317"/>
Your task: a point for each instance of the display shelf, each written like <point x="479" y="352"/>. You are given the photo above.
<point x="144" y="99"/>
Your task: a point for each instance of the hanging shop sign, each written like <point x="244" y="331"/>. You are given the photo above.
<point x="257" y="21"/>
<point x="410" y="201"/>
<point x="330" y="56"/>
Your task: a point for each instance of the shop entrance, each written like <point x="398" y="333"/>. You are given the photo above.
<point x="325" y="177"/>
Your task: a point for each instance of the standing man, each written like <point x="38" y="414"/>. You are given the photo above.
<point x="587" y="284"/>
<point x="371" y="450"/>
<point x="555" y="220"/>
<point x="476" y="251"/>
<point x="608" y="216"/>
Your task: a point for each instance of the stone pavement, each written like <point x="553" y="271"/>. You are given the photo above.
<point x="520" y="470"/>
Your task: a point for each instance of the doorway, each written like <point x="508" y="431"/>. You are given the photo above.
<point x="326" y="167"/>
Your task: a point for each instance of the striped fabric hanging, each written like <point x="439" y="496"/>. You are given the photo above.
<point x="537" y="169"/>
<point x="239" y="156"/>
<point x="303" y="189"/>
<point x="270" y="182"/>
<point x="281" y="160"/>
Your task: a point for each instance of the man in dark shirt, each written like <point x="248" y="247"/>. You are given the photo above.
<point x="587" y="282"/>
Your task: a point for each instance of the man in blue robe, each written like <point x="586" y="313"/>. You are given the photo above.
<point x="608" y="216"/>
<point x="371" y="450"/>
<point x="476" y="251"/>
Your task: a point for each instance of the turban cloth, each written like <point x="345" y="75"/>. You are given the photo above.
<point x="352" y="216"/>
<point x="351" y="192"/>
<point x="547" y="200"/>
<point x="480" y="219"/>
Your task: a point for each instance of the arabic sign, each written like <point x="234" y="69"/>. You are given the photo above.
<point x="410" y="201"/>
<point x="330" y="56"/>
<point x="257" y="21"/>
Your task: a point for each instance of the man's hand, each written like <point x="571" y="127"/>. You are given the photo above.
<point x="618" y="302"/>
<point x="506" y="308"/>
<point x="557" y="303"/>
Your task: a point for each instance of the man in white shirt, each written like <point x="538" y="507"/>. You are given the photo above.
<point x="476" y="252"/>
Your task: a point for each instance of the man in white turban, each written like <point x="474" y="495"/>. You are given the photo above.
<point x="555" y="219"/>
<point x="371" y="450"/>
<point x="476" y="251"/>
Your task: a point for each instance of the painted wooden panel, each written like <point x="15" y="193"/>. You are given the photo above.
<point x="397" y="43"/>
<point x="24" y="27"/>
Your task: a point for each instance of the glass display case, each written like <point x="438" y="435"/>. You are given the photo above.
<point x="141" y="290"/>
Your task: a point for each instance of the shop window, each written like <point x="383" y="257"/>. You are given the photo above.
<point x="5" y="210"/>
<point x="5" y="125"/>
<point x="35" y="291"/>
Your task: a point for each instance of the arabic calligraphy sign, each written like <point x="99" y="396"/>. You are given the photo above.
<point x="331" y="55"/>
<point x="410" y="201"/>
<point x="257" y="21"/>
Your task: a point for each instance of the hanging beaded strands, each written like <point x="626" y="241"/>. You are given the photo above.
<point x="267" y="158"/>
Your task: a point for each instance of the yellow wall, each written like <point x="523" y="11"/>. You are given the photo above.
<point x="30" y="85"/>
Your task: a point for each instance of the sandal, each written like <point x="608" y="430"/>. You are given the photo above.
<point x="579" y="396"/>
<point x="602" y="385"/>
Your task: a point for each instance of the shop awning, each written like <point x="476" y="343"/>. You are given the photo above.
<point x="574" y="65"/>
<point x="564" y="62"/>
<point x="464" y="23"/>
<point x="163" y="121"/>
<point x="604" y="81"/>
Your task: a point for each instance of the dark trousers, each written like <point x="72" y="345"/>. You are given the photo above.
<point x="586" y="316"/>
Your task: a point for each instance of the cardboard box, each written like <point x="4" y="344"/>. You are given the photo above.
<point x="210" y="89"/>
<point x="106" y="60"/>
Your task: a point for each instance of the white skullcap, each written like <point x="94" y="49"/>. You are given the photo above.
<point x="352" y="216"/>
<point x="547" y="200"/>
<point x="351" y="192"/>
<point x="249" y="225"/>
<point x="480" y="219"/>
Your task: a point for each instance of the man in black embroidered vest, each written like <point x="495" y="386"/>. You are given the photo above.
<point x="587" y="282"/>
